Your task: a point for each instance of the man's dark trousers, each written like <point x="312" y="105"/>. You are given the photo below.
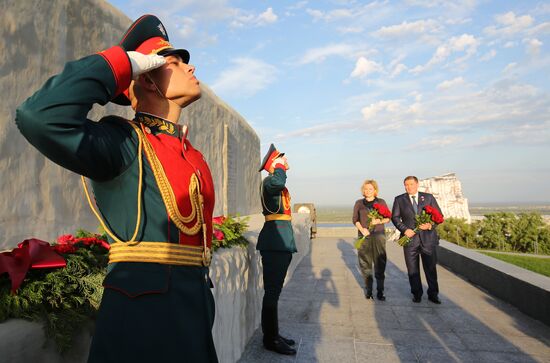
<point x="429" y="263"/>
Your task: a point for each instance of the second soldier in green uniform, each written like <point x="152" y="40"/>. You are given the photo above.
<point x="276" y="245"/>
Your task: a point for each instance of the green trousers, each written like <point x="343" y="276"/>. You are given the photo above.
<point x="373" y="252"/>
<point x="275" y="265"/>
<point x="174" y="325"/>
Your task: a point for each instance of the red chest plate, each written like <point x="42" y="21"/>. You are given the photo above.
<point x="180" y="162"/>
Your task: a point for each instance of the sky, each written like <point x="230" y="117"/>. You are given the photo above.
<point x="355" y="90"/>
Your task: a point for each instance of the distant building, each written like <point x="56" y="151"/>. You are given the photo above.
<point x="447" y="190"/>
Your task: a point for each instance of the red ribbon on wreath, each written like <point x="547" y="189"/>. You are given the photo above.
<point x="31" y="253"/>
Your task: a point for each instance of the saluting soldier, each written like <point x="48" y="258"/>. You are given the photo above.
<point x="276" y="245"/>
<point x="153" y="189"/>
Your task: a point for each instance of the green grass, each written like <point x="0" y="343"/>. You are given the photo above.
<point x="535" y="264"/>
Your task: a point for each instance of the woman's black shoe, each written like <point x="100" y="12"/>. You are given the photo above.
<point x="287" y="341"/>
<point x="380" y="296"/>
<point x="278" y="345"/>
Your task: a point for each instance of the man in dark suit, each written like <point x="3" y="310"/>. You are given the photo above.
<point x="405" y="209"/>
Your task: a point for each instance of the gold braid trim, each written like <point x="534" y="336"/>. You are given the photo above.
<point x="138" y="218"/>
<point x="264" y="203"/>
<point x="157" y="252"/>
<point x="167" y="192"/>
<point x="277" y="217"/>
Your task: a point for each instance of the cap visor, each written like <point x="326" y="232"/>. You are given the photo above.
<point x="182" y="53"/>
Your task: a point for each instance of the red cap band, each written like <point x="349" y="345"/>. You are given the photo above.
<point x="153" y="45"/>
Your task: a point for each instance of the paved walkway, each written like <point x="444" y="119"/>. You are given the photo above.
<point x="323" y="308"/>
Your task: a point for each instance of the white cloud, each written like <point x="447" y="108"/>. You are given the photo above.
<point x="298" y="5"/>
<point x="435" y="143"/>
<point x="450" y="83"/>
<point x="542" y="28"/>
<point x="406" y="29"/>
<point x="318" y="55"/>
<point x="542" y="9"/>
<point x="246" y="77"/>
<point x="267" y="17"/>
<point x="532" y="46"/>
<point x="510" y="44"/>
<point x="373" y="109"/>
<point x="516" y="112"/>
<point x="441" y="3"/>
<point x="390" y="114"/>
<point x="350" y="29"/>
<point x="509" y="25"/>
<point x="329" y="16"/>
<point x="521" y="134"/>
<point x="318" y="130"/>
<point x="458" y="21"/>
<point x="510" y="67"/>
<point x="488" y="56"/>
<point x="455" y="8"/>
<point x="316" y="14"/>
<point x="243" y="19"/>
<point x="397" y="70"/>
<point x="465" y="43"/>
<point x="186" y="27"/>
<point x="364" y="67"/>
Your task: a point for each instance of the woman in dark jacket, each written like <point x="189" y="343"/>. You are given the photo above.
<point x="373" y="249"/>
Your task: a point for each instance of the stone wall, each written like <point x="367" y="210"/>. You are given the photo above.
<point x="447" y="190"/>
<point x="238" y="292"/>
<point x="526" y="290"/>
<point x="43" y="200"/>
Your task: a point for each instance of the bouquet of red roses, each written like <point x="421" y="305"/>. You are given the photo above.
<point x="228" y="232"/>
<point x="378" y="211"/>
<point x="429" y="215"/>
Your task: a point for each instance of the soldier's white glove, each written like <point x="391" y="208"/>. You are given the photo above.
<point x="142" y="63"/>
<point x="280" y="160"/>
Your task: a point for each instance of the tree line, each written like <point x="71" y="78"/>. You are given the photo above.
<point x="502" y="231"/>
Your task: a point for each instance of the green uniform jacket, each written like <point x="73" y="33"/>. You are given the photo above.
<point x="276" y="235"/>
<point x="54" y="120"/>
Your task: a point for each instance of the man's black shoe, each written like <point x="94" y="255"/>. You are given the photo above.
<point x="287" y="341"/>
<point x="417" y="299"/>
<point x="368" y="294"/>
<point x="278" y="345"/>
<point x="434" y="299"/>
<point x="380" y="296"/>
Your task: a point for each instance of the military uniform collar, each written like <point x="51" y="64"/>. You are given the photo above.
<point x="158" y="125"/>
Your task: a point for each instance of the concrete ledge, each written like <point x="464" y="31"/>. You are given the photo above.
<point x="238" y="292"/>
<point x="526" y="290"/>
<point x="336" y="231"/>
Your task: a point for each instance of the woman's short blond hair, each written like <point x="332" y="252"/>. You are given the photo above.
<point x="371" y="182"/>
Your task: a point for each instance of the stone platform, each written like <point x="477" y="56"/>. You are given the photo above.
<point x="323" y="308"/>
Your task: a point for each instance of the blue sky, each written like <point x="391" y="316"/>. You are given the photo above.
<point x="352" y="90"/>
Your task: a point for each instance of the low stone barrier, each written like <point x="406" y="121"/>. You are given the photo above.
<point x="238" y="291"/>
<point x="238" y="287"/>
<point x="526" y="290"/>
<point x="336" y="231"/>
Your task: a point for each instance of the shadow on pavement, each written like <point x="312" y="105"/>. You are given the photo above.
<point x="400" y="330"/>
